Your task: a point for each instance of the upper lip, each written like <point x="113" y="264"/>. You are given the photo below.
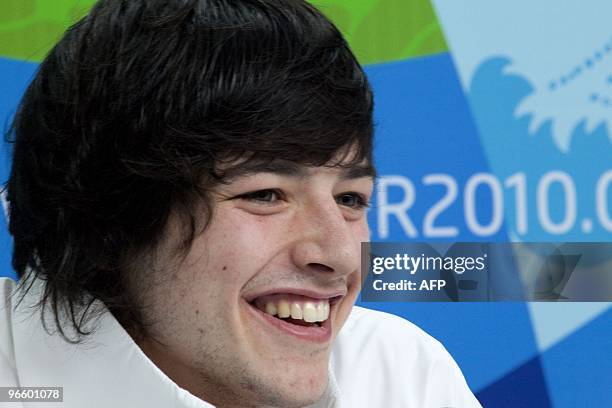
<point x="311" y="293"/>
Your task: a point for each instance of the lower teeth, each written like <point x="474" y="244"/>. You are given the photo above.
<point x="300" y="322"/>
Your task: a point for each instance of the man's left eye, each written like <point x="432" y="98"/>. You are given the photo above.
<point x="352" y="200"/>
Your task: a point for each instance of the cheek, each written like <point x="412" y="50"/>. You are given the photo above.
<point x="235" y="247"/>
<point x="361" y="231"/>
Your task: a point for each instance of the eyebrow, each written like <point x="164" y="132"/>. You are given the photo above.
<point x="295" y="170"/>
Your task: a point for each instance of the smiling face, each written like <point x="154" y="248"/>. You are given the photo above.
<point x="248" y="316"/>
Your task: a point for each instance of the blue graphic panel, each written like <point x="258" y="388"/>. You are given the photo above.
<point x="14" y="79"/>
<point x="494" y="97"/>
<point x="579" y="368"/>
<point x="425" y="134"/>
<point x="425" y="127"/>
<point x="541" y="98"/>
<point x="564" y="49"/>
<point x="522" y="387"/>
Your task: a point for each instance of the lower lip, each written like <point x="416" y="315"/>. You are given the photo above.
<point x="314" y="334"/>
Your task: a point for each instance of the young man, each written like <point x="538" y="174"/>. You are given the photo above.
<point x="187" y="200"/>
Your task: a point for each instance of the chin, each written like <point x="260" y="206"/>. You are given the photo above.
<point x="296" y="389"/>
<point x="302" y="395"/>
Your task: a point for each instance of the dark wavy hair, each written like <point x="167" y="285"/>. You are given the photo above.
<point x="130" y="115"/>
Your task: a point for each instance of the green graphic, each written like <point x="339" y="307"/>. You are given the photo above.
<point x="386" y="30"/>
<point x="29" y="28"/>
<point x="378" y="30"/>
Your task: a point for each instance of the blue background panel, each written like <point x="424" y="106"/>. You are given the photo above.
<point x="15" y="77"/>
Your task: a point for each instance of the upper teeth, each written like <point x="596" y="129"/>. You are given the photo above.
<point x="308" y="311"/>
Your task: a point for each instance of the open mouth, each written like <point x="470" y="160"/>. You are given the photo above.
<point x="296" y="314"/>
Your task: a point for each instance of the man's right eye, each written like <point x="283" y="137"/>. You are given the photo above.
<point x="261" y="196"/>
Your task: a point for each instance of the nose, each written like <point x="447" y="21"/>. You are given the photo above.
<point x="324" y="241"/>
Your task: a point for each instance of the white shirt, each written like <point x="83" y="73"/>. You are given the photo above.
<point x="378" y="360"/>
